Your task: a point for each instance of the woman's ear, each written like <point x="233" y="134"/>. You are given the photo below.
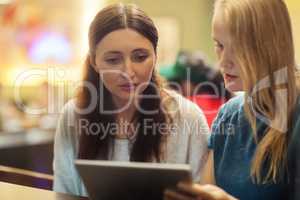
<point x="93" y="62"/>
<point x="92" y="59"/>
<point x="155" y="58"/>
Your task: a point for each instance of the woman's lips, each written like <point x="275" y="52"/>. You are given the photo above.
<point x="128" y="87"/>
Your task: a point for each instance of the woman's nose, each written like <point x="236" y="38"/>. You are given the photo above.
<point x="128" y="69"/>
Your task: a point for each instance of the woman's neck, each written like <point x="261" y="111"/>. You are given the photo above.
<point x="125" y="108"/>
<point x="125" y="118"/>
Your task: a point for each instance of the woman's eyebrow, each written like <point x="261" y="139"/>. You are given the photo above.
<point x="140" y="50"/>
<point x="111" y="52"/>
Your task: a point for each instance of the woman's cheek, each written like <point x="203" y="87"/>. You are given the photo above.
<point x="110" y="79"/>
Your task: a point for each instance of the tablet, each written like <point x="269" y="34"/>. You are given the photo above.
<point x="113" y="180"/>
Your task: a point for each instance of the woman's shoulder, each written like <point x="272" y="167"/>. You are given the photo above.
<point x="67" y="134"/>
<point x="189" y="117"/>
<point x="67" y="123"/>
<point x="182" y="106"/>
<point x="68" y="113"/>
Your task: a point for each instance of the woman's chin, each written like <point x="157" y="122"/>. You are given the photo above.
<point x="125" y="95"/>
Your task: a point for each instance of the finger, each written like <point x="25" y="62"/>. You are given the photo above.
<point x="213" y="192"/>
<point x="207" y="192"/>
<point x="194" y="189"/>
<point x="172" y="195"/>
<point x="187" y="188"/>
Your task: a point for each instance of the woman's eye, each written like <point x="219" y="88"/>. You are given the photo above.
<point x="140" y="58"/>
<point x="113" y="61"/>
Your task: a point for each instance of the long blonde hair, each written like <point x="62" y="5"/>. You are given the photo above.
<point x="263" y="45"/>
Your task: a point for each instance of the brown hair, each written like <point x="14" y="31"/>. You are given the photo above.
<point x="147" y="146"/>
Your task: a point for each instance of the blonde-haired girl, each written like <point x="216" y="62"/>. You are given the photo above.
<point x="251" y="134"/>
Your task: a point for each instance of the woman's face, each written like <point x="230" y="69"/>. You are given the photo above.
<point x="125" y="60"/>
<point x="225" y="54"/>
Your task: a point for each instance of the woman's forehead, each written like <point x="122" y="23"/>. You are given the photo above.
<point x="125" y="40"/>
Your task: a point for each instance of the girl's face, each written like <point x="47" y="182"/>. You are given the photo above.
<point x="125" y="59"/>
<point x="226" y="58"/>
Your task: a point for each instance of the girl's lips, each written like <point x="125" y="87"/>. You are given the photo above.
<point x="229" y="77"/>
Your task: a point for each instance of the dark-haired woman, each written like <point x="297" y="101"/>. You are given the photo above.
<point x="121" y="112"/>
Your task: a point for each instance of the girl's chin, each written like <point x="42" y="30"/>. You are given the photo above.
<point x="232" y="87"/>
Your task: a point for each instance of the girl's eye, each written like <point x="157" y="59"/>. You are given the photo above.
<point x="219" y="46"/>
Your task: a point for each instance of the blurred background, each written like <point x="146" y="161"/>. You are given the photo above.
<point x="43" y="44"/>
